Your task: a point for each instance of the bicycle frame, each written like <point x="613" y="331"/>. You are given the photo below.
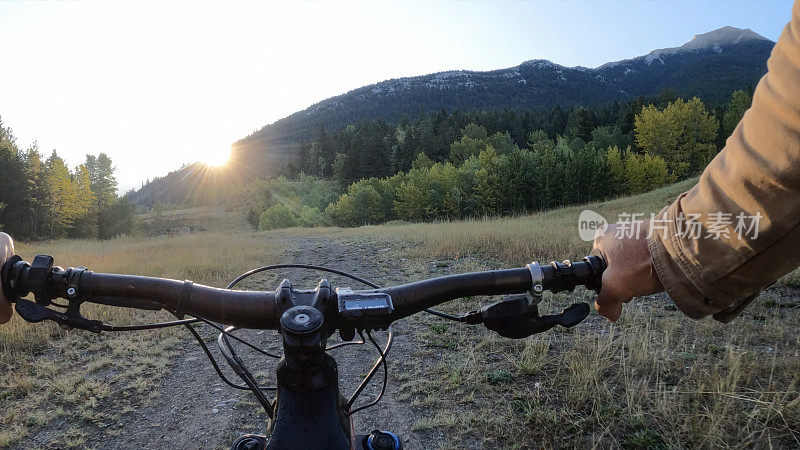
<point x="309" y="411"/>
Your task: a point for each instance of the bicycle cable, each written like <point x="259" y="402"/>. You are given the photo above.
<point x="238" y="365"/>
<point x="381" y="360"/>
<point x="149" y="326"/>
<point x="214" y="363"/>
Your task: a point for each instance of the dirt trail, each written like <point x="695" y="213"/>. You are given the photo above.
<point x="197" y="410"/>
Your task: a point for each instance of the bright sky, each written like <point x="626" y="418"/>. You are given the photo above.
<point x="156" y="85"/>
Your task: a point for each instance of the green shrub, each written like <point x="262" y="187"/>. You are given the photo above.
<point x="278" y="216"/>
<point x="311" y="216"/>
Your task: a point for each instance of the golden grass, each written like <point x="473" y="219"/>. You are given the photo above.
<point x="46" y="370"/>
<point x="655" y="379"/>
<point x="208" y="218"/>
<point x="518" y="240"/>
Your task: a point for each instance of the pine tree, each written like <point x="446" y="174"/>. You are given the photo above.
<point x="62" y="194"/>
<point x="38" y="194"/>
<point x="615" y="172"/>
<point x="103" y="185"/>
<point x="739" y="103"/>
<point x="13" y="189"/>
<point x="85" y="224"/>
<point x="103" y="181"/>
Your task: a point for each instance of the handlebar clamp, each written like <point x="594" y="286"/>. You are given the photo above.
<point x="537" y="279"/>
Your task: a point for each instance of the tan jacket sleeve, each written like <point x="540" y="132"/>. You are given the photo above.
<point x="754" y="180"/>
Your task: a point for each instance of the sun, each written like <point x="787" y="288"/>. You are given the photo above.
<point x="217" y="158"/>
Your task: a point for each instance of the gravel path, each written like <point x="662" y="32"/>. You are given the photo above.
<point x="197" y="410"/>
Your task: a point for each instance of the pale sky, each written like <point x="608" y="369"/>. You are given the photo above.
<point x="156" y="85"/>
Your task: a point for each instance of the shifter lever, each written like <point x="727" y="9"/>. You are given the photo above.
<point x="517" y="318"/>
<point x="572" y="316"/>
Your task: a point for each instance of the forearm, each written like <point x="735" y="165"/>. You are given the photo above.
<point x="755" y="177"/>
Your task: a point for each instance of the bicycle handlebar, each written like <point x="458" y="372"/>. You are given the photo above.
<point x="307" y="384"/>
<point x="262" y="309"/>
<point x="246" y="309"/>
<point x="556" y="277"/>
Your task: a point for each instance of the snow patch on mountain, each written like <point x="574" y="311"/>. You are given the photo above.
<point x="539" y="64"/>
<point x="715" y="41"/>
<point x="511" y="73"/>
<point x="655" y="55"/>
<point x="722" y="37"/>
<point x="451" y="74"/>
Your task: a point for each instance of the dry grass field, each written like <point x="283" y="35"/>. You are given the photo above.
<point x="50" y="376"/>
<point x="655" y="379"/>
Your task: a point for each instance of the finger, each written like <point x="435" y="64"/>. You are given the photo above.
<point x="6" y="247"/>
<point x="609" y="292"/>
<point x="610" y="298"/>
<point x="5" y="311"/>
<point x="611" y="312"/>
<point x="6" y="251"/>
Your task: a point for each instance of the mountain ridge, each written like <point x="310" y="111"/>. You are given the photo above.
<point x="710" y="66"/>
<point x="438" y="80"/>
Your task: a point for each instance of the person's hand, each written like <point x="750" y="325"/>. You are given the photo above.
<point x="6" y="251"/>
<point x="629" y="273"/>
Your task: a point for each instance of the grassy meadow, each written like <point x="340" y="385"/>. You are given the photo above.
<point x="655" y="379"/>
<point x="51" y="374"/>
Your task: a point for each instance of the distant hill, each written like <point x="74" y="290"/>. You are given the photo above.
<point x="710" y="66"/>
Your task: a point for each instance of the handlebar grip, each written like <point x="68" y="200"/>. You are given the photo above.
<point x="564" y="276"/>
<point x="598" y="266"/>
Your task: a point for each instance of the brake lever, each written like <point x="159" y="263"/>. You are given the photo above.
<point x="72" y="318"/>
<point x="517" y="318"/>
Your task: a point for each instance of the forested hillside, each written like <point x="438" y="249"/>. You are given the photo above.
<point x="377" y="148"/>
<point x="44" y="198"/>
<point x="711" y="66"/>
<point x="446" y="167"/>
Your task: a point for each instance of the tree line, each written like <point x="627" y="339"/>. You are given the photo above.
<point x="423" y="170"/>
<point x="44" y="198"/>
<point x="378" y="148"/>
